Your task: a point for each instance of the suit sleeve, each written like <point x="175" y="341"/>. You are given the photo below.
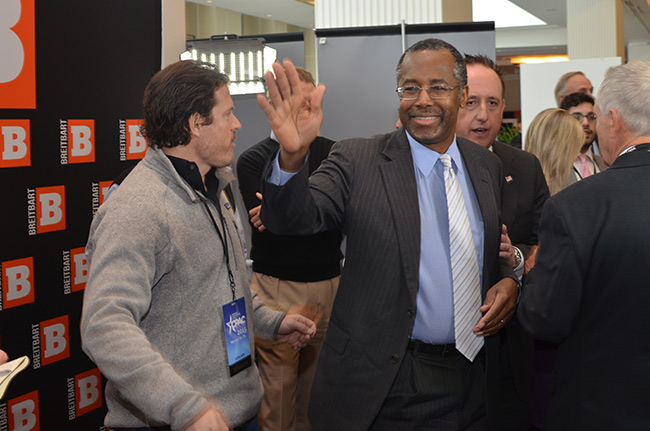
<point x="307" y="205"/>
<point x="541" y="195"/>
<point x="553" y="289"/>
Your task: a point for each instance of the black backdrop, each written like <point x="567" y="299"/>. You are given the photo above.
<point x="93" y="60"/>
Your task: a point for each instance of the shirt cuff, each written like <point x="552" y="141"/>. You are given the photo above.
<point x="278" y="176"/>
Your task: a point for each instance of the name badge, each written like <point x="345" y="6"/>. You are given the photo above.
<point x="237" y="338"/>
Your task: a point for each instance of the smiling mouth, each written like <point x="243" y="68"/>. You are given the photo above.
<point x="425" y="118"/>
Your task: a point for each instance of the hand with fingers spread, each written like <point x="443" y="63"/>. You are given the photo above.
<point x="499" y="307"/>
<point x="294" y="121"/>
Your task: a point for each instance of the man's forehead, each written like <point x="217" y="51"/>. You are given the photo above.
<point x="223" y="98"/>
<point x="583" y="108"/>
<point x="441" y="65"/>
<point x="482" y="79"/>
<point x="577" y="83"/>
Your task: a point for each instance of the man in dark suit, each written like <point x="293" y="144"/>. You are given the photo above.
<point x="524" y="194"/>
<point x="589" y="289"/>
<point x="392" y="356"/>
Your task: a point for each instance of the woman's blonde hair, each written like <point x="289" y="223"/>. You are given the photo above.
<point x="555" y="137"/>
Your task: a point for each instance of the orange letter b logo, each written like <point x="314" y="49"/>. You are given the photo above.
<point x="18" y="65"/>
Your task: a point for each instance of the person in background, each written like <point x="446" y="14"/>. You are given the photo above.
<point x="288" y="271"/>
<point x="572" y="82"/>
<point x="555" y="138"/>
<point x="581" y="107"/>
<point x="575" y="82"/>
<point x="524" y="194"/>
<point x="589" y="289"/>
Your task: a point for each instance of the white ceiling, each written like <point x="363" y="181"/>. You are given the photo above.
<point x="553" y="12"/>
<point x="289" y="11"/>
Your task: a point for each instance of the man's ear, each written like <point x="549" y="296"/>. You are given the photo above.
<point x="616" y="121"/>
<point x="463" y="98"/>
<point x="194" y="123"/>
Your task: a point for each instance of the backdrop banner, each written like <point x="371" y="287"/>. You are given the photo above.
<point x="72" y="78"/>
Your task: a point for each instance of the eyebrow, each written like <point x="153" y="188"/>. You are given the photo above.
<point x="432" y="81"/>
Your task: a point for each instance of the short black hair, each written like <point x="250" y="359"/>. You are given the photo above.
<point x="432" y="44"/>
<point x="575" y="99"/>
<point x="173" y="95"/>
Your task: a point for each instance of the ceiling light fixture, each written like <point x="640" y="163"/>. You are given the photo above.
<point x="536" y="59"/>
<point x="244" y="60"/>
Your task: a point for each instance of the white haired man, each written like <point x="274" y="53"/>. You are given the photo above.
<point x="588" y="290"/>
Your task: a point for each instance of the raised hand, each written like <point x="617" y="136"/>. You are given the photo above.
<point x="294" y="121"/>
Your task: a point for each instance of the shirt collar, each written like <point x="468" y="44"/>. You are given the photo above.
<point x="425" y="158"/>
<point x="189" y="171"/>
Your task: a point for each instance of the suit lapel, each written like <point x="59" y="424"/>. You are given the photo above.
<point x="398" y="177"/>
<point x="511" y="183"/>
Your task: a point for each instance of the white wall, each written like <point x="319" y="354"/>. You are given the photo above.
<point x="538" y="82"/>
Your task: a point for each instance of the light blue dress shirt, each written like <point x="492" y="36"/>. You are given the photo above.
<point x="434" y="321"/>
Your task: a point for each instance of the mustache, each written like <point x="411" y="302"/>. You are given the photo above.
<point x="426" y="113"/>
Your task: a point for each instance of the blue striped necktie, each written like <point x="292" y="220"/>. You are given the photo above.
<point x="464" y="267"/>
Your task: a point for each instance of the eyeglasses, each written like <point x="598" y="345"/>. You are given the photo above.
<point x="434" y="92"/>
<point x="590" y="117"/>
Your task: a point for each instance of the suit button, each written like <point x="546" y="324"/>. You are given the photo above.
<point x="410" y="312"/>
<point x="395" y="358"/>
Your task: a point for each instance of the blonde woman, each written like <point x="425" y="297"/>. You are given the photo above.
<point x="555" y="137"/>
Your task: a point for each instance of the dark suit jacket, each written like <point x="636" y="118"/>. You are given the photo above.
<point x="590" y="292"/>
<point x="367" y="188"/>
<point x="524" y="194"/>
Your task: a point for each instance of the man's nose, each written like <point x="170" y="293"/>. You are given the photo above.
<point x="423" y="98"/>
<point x="481" y="113"/>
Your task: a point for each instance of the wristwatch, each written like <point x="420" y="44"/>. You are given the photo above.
<point x="519" y="257"/>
